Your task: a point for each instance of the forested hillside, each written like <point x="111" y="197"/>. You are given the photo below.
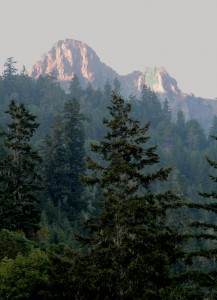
<point x="103" y="197"/>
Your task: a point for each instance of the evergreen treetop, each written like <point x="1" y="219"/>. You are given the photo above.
<point x="19" y="178"/>
<point x="133" y="249"/>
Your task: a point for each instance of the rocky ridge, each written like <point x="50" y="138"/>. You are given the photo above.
<point x="69" y="57"/>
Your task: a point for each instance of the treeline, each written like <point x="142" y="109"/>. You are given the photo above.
<point x="127" y="224"/>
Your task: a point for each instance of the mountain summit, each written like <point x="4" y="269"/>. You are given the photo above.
<point x="69" y="57"/>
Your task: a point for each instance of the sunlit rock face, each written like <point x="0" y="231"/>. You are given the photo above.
<point x="69" y="57"/>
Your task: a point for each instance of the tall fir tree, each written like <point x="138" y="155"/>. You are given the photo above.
<point x="9" y="76"/>
<point x="213" y="129"/>
<point x="75" y="88"/>
<point x="117" y="86"/>
<point x="10" y="69"/>
<point x="107" y="91"/>
<point x="166" y="112"/>
<point x="204" y="254"/>
<point x="74" y="142"/>
<point x="54" y="166"/>
<point x="150" y="106"/>
<point x="181" y="125"/>
<point x="132" y="247"/>
<point x="195" y="138"/>
<point x="63" y="153"/>
<point x="19" y="178"/>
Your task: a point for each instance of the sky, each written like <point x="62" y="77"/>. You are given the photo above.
<point x="127" y="35"/>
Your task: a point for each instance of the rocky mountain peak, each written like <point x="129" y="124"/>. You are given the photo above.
<point x="69" y="57"/>
<point x="159" y="80"/>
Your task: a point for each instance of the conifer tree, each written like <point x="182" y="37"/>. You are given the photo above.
<point x="75" y="88"/>
<point x="132" y="248"/>
<point x="206" y="250"/>
<point x="195" y="136"/>
<point x="19" y="179"/>
<point x="150" y="106"/>
<point x="107" y="91"/>
<point x="9" y="76"/>
<point x="75" y="152"/>
<point x="54" y="166"/>
<point x="180" y="125"/>
<point x="166" y="112"/>
<point x="213" y="129"/>
<point x="117" y="86"/>
<point x="10" y="69"/>
<point x="63" y="154"/>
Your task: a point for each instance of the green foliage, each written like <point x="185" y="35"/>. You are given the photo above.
<point x="133" y="249"/>
<point x="180" y="125"/>
<point x="74" y="143"/>
<point x="213" y="129"/>
<point x="195" y="136"/>
<point x="151" y="107"/>
<point x="55" y="227"/>
<point x="12" y="243"/>
<point x="55" y="273"/>
<point x="25" y="277"/>
<point x="181" y="145"/>
<point x="10" y="69"/>
<point x="55" y="161"/>
<point x="19" y="179"/>
<point x="75" y="89"/>
<point x="63" y="153"/>
<point x="68" y="278"/>
<point x="166" y="112"/>
<point x="202" y="254"/>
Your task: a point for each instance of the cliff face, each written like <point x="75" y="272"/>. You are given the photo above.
<point x="70" y="57"/>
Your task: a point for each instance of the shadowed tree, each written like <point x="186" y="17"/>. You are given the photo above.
<point x="132" y="248"/>
<point x="64" y="153"/>
<point x="19" y="179"/>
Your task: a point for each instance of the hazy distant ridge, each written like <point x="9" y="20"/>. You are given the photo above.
<point x="69" y="57"/>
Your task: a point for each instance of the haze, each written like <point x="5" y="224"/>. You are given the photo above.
<point x="126" y="35"/>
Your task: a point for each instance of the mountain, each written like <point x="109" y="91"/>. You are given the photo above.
<point x="69" y="57"/>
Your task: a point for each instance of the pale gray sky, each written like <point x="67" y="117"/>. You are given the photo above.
<point x="127" y="35"/>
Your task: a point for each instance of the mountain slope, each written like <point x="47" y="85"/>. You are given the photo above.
<point x="69" y="57"/>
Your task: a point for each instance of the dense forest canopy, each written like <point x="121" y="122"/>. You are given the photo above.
<point x="103" y="197"/>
